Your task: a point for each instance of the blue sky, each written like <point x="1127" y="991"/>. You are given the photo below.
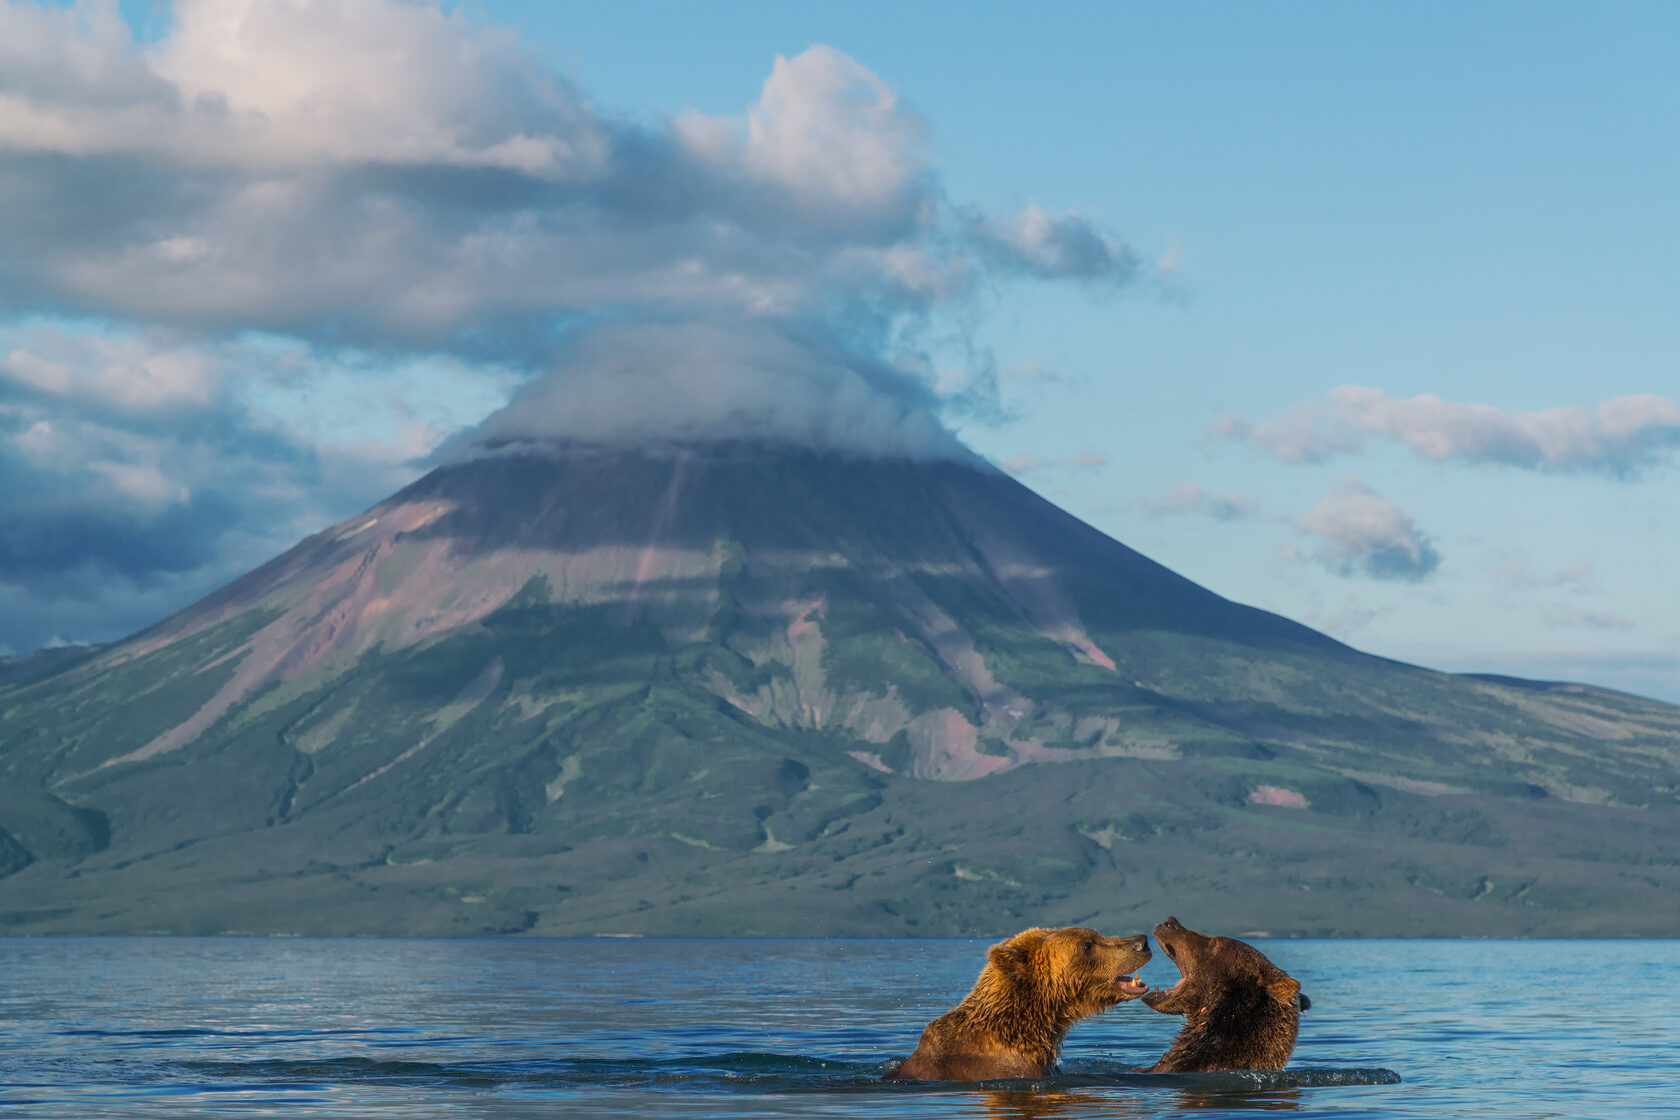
<point x="1362" y="314"/>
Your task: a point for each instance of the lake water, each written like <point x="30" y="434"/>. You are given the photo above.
<point x="143" y="1027"/>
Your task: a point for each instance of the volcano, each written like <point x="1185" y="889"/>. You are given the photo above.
<point x="743" y="689"/>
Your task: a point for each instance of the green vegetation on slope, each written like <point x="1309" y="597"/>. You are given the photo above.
<point x="701" y="710"/>
<point x="557" y="771"/>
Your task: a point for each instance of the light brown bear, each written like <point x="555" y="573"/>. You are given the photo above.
<point x="1240" y="1010"/>
<point x="1034" y="987"/>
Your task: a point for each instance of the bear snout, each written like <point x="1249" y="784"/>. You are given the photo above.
<point x="1166" y="934"/>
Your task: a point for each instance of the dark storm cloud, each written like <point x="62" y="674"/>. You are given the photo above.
<point x="41" y="542"/>
<point x="135" y="480"/>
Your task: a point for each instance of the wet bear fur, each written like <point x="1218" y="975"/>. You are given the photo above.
<point x="1240" y="1010"/>
<point x="1033" y="988"/>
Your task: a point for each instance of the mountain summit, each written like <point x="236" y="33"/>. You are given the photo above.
<point x="741" y="688"/>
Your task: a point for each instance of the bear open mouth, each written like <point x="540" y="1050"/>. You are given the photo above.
<point x="1130" y="986"/>
<point x="1169" y="991"/>
<point x="1183" y="973"/>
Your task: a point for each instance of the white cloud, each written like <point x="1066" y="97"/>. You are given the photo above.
<point x="271" y="85"/>
<point x="1363" y="532"/>
<point x="833" y="133"/>
<point x="222" y="251"/>
<point x="383" y="172"/>
<point x="1580" y="618"/>
<point x="1623" y="435"/>
<point x="1516" y="572"/>
<point x="1303" y="434"/>
<point x="1080" y="461"/>
<point x="682" y="383"/>
<point x="1035" y="372"/>
<point x="1192" y="497"/>
<point x="139" y="476"/>
<point x="387" y="175"/>
<point x="1055" y="246"/>
<point x="110" y="372"/>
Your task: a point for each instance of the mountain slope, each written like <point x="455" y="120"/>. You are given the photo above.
<point x="679" y="691"/>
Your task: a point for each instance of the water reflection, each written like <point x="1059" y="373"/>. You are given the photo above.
<point x="1090" y="1104"/>
<point x="1023" y="1104"/>
<point x="1276" y="1100"/>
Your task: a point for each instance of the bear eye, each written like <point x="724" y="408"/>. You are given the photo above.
<point x="1089" y="945"/>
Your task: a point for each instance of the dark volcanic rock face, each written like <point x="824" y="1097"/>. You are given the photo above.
<point x="540" y="680"/>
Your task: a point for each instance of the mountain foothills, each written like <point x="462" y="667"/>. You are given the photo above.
<point x="748" y="690"/>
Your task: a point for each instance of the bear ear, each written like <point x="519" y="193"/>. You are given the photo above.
<point x="1284" y="990"/>
<point x="1009" y="957"/>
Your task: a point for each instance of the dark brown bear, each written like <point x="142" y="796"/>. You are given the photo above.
<point x="1034" y="987"/>
<point x="1240" y="1010"/>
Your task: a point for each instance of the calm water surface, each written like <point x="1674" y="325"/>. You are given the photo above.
<point x="419" y="1029"/>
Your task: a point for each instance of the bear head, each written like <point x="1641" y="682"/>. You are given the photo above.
<point x="1214" y="969"/>
<point x="1076" y="970"/>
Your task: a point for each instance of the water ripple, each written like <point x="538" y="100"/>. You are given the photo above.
<point x="426" y="1030"/>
